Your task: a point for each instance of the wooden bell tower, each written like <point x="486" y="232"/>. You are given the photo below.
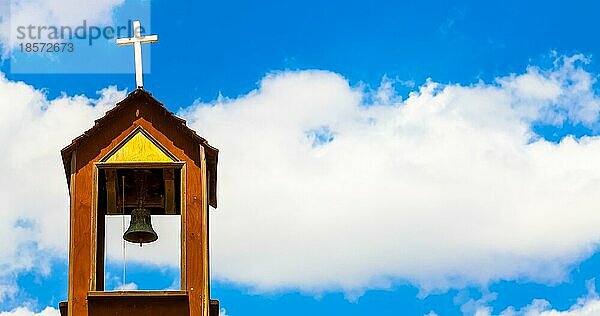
<point x="139" y="134"/>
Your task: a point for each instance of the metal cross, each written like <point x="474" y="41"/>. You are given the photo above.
<point x="137" y="40"/>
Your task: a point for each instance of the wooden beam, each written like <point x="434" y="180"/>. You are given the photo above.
<point x="99" y="275"/>
<point x="169" y="179"/>
<point x="204" y="232"/>
<point x="194" y="246"/>
<point x="183" y="220"/>
<point x="100" y="237"/>
<point x="136" y="293"/>
<point x="72" y="193"/>
<point x="139" y="165"/>
<point x="94" y="232"/>
<point x="111" y="191"/>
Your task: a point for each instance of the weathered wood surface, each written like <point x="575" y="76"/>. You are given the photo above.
<point x="169" y="178"/>
<point x="159" y="303"/>
<point x="111" y="191"/>
<point x="204" y="232"/>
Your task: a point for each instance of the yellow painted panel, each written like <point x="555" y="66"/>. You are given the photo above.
<point x="139" y="149"/>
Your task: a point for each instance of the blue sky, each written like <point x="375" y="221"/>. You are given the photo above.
<point x="227" y="46"/>
<point x="214" y="60"/>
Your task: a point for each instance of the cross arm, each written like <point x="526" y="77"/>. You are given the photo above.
<point x="132" y="40"/>
<point x="125" y="41"/>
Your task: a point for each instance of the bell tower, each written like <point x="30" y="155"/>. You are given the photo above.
<point x="139" y="160"/>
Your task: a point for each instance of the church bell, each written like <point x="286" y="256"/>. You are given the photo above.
<point x="140" y="227"/>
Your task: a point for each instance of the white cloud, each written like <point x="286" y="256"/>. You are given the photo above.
<point x="127" y="287"/>
<point x="588" y="305"/>
<point x="25" y="311"/>
<point x="320" y="191"/>
<point x="447" y="188"/>
<point x="586" y="308"/>
<point x="477" y="307"/>
<point x="53" y="13"/>
<point x="34" y="215"/>
<point x="164" y="251"/>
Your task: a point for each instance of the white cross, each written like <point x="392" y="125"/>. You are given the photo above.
<point x="137" y="40"/>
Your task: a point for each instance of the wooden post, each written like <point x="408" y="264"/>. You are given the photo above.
<point x="72" y="193"/>
<point x="169" y="178"/>
<point x="111" y="191"/>
<point x="204" y="232"/>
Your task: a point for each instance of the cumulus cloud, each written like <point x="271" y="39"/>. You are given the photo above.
<point x="325" y="186"/>
<point x="127" y="287"/>
<point x="52" y="13"/>
<point x="320" y="189"/>
<point x="588" y="305"/>
<point x="34" y="215"/>
<point x="25" y="311"/>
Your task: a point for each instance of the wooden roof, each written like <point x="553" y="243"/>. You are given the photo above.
<point x="143" y="95"/>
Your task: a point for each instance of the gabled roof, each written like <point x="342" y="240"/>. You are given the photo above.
<point x="211" y="152"/>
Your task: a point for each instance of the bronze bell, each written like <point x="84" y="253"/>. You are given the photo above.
<point x="140" y="228"/>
